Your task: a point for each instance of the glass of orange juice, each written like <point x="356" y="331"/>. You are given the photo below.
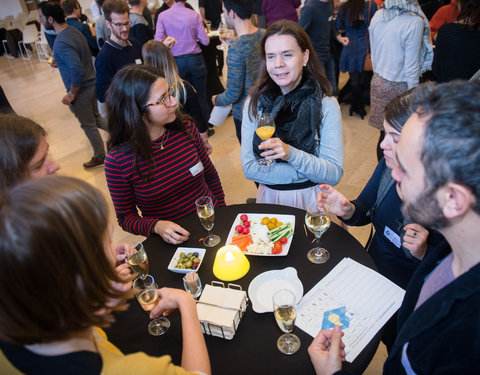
<point x="265" y="130"/>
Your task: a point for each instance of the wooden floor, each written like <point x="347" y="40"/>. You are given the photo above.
<point x="35" y="90"/>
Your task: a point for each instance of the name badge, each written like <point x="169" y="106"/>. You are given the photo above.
<point x="392" y="237"/>
<point x="196" y="169"/>
<point x="330" y="19"/>
<point x="138" y="61"/>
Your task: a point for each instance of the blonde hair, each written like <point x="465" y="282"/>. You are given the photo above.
<point x="157" y="54"/>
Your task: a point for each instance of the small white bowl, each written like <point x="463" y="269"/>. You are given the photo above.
<point x="186" y="250"/>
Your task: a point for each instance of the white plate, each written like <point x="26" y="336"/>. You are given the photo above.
<point x="186" y="250"/>
<point x="263" y="287"/>
<point x="283" y="218"/>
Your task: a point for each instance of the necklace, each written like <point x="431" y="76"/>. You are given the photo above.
<point x="162" y="144"/>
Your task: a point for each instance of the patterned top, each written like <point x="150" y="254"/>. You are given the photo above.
<point x="183" y="172"/>
<point x="243" y="60"/>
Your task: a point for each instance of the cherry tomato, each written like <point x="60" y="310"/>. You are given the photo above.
<point x="276" y="250"/>
<point x="238" y="229"/>
<point x="243" y="217"/>
<point x="270" y="226"/>
<point x="245" y="230"/>
<point x="273" y="220"/>
<point x="246" y="223"/>
<point x="279" y="224"/>
<point x="278" y="243"/>
<point x="284" y="240"/>
<point x="265" y="221"/>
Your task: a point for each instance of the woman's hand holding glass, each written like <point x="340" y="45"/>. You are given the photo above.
<point x="274" y="148"/>
<point x="169" y="300"/>
<point x="336" y="202"/>
<point x="171" y="232"/>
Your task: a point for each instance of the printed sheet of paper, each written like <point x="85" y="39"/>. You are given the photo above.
<point x="353" y="296"/>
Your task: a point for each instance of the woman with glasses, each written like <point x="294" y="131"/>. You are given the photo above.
<point x="157" y="54"/>
<point x="59" y="227"/>
<point x="157" y="162"/>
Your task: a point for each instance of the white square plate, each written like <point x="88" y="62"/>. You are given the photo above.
<point x="258" y="217"/>
<point x="186" y="250"/>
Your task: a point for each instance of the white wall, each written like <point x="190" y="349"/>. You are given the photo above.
<point x="10" y="8"/>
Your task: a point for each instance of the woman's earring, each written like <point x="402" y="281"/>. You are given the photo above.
<point x="304" y="65"/>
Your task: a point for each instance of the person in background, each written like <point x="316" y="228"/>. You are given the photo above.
<point x="353" y="19"/>
<point x="74" y="61"/>
<point x="24" y="151"/>
<point x="59" y="227"/>
<point x="308" y="143"/>
<point x="165" y="6"/>
<point x="211" y="10"/>
<point x="316" y="17"/>
<point x="96" y="9"/>
<point x="139" y="28"/>
<point x="243" y="59"/>
<point x="401" y="51"/>
<point x="157" y="162"/>
<point x="158" y="55"/>
<point x="446" y="14"/>
<point x="186" y="27"/>
<point x="275" y="10"/>
<point x="457" y="51"/>
<point x="101" y="30"/>
<point x="438" y="170"/>
<point x="118" y="50"/>
<point x="72" y="10"/>
<point x="259" y="19"/>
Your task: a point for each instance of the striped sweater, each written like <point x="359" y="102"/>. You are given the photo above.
<point x="176" y="183"/>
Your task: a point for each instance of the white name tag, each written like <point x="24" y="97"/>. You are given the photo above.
<point x="330" y="18"/>
<point x="138" y="61"/>
<point x="392" y="236"/>
<point x="196" y="169"/>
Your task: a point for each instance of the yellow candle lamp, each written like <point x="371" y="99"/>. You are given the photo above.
<point x="230" y="263"/>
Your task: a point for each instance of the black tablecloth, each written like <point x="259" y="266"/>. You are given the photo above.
<point x="253" y="349"/>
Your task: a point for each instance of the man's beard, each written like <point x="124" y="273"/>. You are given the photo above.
<point x="425" y="211"/>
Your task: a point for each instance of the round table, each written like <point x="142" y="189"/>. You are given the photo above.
<point x="253" y="348"/>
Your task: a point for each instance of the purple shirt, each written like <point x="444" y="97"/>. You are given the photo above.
<point x="275" y="10"/>
<point x="441" y="276"/>
<point x="183" y="24"/>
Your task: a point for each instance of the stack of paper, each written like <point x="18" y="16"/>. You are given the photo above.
<point x="220" y="310"/>
<point x="354" y="297"/>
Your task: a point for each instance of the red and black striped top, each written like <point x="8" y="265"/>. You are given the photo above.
<point x="173" y="188"/>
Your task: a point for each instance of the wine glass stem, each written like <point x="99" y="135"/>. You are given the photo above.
<point x="209" y="233"/>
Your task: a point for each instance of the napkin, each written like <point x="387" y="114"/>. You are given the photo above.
<point x="214" y="317"/>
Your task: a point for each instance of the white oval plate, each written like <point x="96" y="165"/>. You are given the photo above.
<point x="263" y="287"/>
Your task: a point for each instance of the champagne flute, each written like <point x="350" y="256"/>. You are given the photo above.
<point x="146" y="293"/>
<point x="206" y="214"/>
<point x="285" y="314"/>
<point x="265" y="130"/>
<point x="317" y="221"/>
<point x="138" y="260"/>
<point x="222" y="32"/>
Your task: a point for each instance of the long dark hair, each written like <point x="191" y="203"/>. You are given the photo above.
<point x="469" y="13"/>
<point x="354" y="8"/>
<point x="126" y="98"/>
<point x="19" y="140"/>
<point x="264" y="83"/>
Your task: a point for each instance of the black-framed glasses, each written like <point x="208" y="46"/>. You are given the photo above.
<point x="166" y="99"/>
<point x="120" y="24"/>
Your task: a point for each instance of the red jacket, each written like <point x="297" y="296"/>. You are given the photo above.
<point x="446" y="14"/>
